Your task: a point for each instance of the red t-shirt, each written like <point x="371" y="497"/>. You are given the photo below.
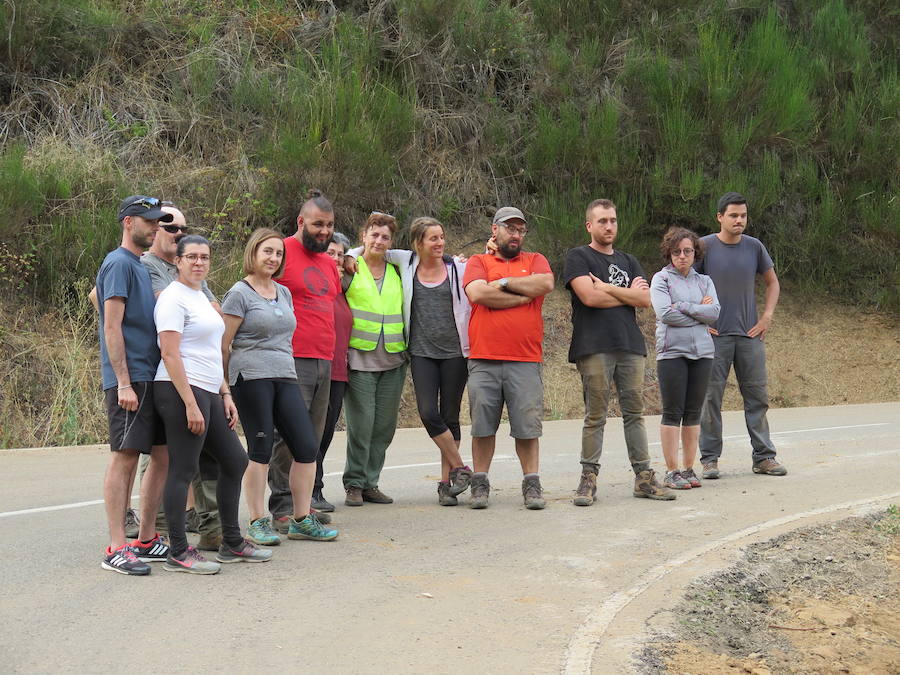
<point x="312" y="279"/>
<point x="512" y="334"/>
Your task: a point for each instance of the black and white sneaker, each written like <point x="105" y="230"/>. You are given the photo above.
<point x="124" y="561"/>
<point x="155" y="550"/>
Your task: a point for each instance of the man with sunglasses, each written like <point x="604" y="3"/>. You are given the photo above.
<point x="606" y="285"/>
<point x="203" y="514"/>
<point x="506" y="333"/>
<point x="129" y="356"/>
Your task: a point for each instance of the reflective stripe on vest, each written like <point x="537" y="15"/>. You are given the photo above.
<point x="374" y="312"/>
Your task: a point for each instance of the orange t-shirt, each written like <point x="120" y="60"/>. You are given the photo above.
<point x="512" y="334"/>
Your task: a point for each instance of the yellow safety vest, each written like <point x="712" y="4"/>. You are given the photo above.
<point x="374" y="312"/>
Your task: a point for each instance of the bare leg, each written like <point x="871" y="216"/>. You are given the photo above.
<point x="668" y="437"/>
<point x="689" y="439"/>
<point x="527" y="450"/>
<point x="190" y="499"/>
<point x="483" y="452"/>
<point x="122" y="466"/>
<point x="302" y="477"/>
<point x="255" y="480"/>
<point x="450" y="457"/>
<point x="131" y="486"/>
<point x="152" y="485"/>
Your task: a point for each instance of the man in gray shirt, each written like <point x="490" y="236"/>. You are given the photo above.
<point x="733" y="260"/>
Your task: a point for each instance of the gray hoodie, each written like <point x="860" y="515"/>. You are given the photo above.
<point x="681" y="319"/>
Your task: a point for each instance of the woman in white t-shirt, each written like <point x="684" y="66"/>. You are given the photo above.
<point x="194" y="402"/>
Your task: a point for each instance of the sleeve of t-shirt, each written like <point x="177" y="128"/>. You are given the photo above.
<point x="169" y="314"/>
<point x="159" y="279"/>
<point x="540" y="265"/>
<point x="117" y="281"/>
<point x="235" y="303"/>
<point x="474" y="270"/>
<point x="575" y="266"/>
<point x="636" y="269"/>
<point x="208" y="293"/>
<point x="763" y="260"/>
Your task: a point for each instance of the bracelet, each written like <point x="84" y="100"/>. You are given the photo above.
<point x="127" y="386"/>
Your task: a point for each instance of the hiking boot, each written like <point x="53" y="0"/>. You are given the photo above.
<point x="354" y="496"/>
<point x="480" y="491"/>
<point x="676" y="481"/>
<point x="209" y="542"/>
<point x="124" y="561"/>
<point x="260" y="532"/>
<point x="247" y="551"/>
<point x="770" y="467"/>
<point x="710" y="470"/>
<point x="587" y="488"/>
<point x="132" y="524"/>
<point x="155" y="550"/>
<point x="460" y="478"/>
<point x="319" y="503"/>
<point x="376" y="496"/>
<point x="645" y="485"/>
<point x="445" y="496"/>
<point x="691" y="477"/>
<point x="533" y="493"/>
<point x="192" y="521"/>
<point x="310" y="528"/>
<point x="191" y="562"/>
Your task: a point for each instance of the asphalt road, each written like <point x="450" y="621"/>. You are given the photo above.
<point x="414" y="587"/>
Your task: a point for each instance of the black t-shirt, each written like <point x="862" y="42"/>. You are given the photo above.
<point x="613" y="329"/>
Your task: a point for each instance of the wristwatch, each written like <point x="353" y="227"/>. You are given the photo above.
<point x="504" y="282"/>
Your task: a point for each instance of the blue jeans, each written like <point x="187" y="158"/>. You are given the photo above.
<point x="749" y="358"/>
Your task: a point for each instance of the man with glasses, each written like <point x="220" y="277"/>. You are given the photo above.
<point x="506" y="334"/>
<point x="312" y="278"/>
<point x="733" y="260"/>
<point x="606" y="285"/>
<point x="129" y="357"/>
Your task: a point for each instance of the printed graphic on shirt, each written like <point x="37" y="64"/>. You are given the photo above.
<point x="618" y="277"/>
<point x="315" y="280"/>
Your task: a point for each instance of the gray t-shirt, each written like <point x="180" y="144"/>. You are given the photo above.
<point x="379" y="359"/>
<point x="261" y="348"/>
<point x="733" y="269"/>
<point x="431" y="331"/>
<point x="163" y="273"/>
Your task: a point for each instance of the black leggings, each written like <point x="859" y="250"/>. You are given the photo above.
<point x="266" y="404"/>
<point x="682" y="387"/>
<point x="184" y="455"/>
<point x="335" y="403"/>
<point x="439" y="386"/>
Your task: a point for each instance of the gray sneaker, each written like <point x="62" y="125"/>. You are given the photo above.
<point x="246" y="552"/>
<point x="533" y="493"/>
<point x="587" y="488"/>
<point x="480" y="491"/>
<point x="710" y="470"/>
<point x="132" y="524"/>
<point x="676" y="481"/>
<point x="445" y="494"/>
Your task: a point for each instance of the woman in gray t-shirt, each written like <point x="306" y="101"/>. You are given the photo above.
<point x="258" y="358"/>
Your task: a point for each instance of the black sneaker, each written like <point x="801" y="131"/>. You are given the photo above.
<point x="319" y="503"/>
<point x="124" y="561"/>
<point x="155" y="550"/>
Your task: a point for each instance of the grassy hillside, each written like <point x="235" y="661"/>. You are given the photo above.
<point x="448" y="108"/>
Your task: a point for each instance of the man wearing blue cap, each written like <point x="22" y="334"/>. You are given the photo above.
<point x="129" y="356"/>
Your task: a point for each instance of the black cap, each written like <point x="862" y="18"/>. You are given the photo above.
<point x="148" y="208"/>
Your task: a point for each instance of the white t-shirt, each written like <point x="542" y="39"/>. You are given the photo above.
<point x="186" y="311"/>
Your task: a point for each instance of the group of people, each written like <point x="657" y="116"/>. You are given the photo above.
<point x="314" y="326"/>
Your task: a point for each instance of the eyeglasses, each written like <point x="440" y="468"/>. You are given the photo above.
<point x="515" y="230"/>
<point x="686" y="251"/>
<point x="146" y="202"/>
<point x="174" y="229"/>
<point x="194" y="257"/>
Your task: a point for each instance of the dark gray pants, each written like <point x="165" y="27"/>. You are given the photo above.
<point x="749" y="358"/>
<point x="314" y="377"/>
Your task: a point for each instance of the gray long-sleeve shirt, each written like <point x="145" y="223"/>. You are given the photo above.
<point x="681" y="318"/>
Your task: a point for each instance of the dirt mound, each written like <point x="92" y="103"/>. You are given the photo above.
<point x="819" y="600"/>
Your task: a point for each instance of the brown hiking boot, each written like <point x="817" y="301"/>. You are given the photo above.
<point x="711" y="470"/>
<point x="209" y="542"/>
<point x="645" y="485"/>
<point x="533" y="493"/>
<point x="480" y="491"/>
<point x="445" y="497"/>
<point x="587" y="488"/>
<point x="354" y="496"/>
<point x="770" y="467"/>
<point x="376" y="496"/>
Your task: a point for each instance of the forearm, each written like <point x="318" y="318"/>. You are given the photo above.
<point x="494" y="298"/>
<point x="534" y="286"/>
<point x="178" y="376"/>
<point x="707" y="314"/>
<point x="115" y="349"/>
<point x="773" y="290"/>
<point x="636" y="297"/>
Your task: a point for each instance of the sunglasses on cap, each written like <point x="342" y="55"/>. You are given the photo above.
<point x="146" y="202"/>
